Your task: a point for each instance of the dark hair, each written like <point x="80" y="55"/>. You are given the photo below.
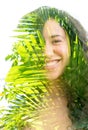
<point x="75" y="77"/>
<point x="76" y="74"/>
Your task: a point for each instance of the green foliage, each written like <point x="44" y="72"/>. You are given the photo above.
<point x="26" y="84"/>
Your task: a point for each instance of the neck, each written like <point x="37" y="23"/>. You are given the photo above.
<point x="56" y="87"/>
<point x="56" y="111"/>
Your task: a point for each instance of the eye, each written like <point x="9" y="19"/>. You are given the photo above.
<point x="56" y="41"/>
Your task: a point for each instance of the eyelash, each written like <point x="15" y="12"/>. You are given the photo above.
<point x="56" y="41"/>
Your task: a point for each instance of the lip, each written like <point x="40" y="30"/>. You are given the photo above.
<point x="52" y="64"/>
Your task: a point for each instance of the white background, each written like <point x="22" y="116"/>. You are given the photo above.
<point x="12" y="10"/>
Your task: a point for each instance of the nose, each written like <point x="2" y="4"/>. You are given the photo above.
<point x="49" y="50"/>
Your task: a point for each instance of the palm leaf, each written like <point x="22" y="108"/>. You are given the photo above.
<point x="26" y="84"/>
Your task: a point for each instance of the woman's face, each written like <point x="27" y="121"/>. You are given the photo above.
<point x="57" y="50"/>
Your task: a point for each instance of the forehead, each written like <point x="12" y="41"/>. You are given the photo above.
<point x="52" y="27"/>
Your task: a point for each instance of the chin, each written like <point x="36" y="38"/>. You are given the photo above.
<point x="53" y="76"/>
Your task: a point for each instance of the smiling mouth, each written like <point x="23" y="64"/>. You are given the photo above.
<point x="52" y="64"/>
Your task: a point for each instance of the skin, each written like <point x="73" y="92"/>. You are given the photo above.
<point x="57" y="49"/>
<point x="55" y="115"/>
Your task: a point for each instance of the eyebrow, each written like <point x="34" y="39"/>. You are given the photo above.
<point x="52" y="36"/>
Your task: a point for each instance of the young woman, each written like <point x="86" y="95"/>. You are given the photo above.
<point x="54" y="52"/>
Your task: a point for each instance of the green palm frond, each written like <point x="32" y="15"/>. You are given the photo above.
<point x="26" y="83"/>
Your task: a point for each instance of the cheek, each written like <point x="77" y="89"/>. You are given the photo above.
<point x="66" y="51"/>
<point x="62" y="50"/>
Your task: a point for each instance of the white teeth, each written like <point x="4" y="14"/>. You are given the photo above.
<point x="51" y="63"/>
